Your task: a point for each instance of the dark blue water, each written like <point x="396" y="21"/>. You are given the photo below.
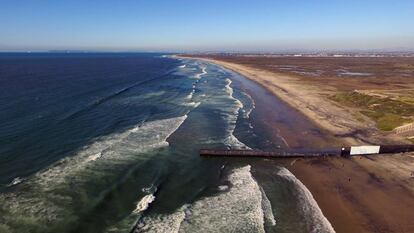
<point x="51" y="104"/>
<point x="109" y="143"/>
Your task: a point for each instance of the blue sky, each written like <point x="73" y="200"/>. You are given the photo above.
<point x="215" y="25"/>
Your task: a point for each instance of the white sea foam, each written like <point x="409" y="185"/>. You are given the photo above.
<point x="143" y="204"/>
<point x="203" y="72"/>
<point x="183" y="66"/>
<point x="15" y="181"/>
<point x="149" y="189"/>
<point x="129" y="222"/>
<point x="191" y="104"/>
<point x="315" y="220"/>
<point x="190" y="96"/>
<point x="162" y="223"/>
<point x="234" y="142"/>
<point x="236" y="210"/>
<point x="118" y="146"/>
<point x="249" y="111"/>
<point x="223" y="187"/>
<point x="229" y="90"/>
<point x="94" y="157"/>
<point x="241" y="208"/>
<point x="43" y="204"/>
<point x="230" y="139"/>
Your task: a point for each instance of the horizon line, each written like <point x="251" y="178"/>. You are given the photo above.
<point x="270" y="51"/>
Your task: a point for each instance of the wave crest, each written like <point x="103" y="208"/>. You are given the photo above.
<point x="241" y="208"/>
<point x="315" y="220"/>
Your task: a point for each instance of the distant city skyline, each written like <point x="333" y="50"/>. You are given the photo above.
<point x="190" y="26"/>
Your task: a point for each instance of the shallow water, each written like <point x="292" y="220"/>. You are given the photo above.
<point x="109" y="143"/>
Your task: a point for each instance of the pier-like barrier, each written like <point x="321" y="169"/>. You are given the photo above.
<point x="292" y="153"/>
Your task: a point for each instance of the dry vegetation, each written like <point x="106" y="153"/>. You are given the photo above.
<point x="386" y="111"/>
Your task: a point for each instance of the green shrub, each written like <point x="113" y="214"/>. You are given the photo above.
<point x="386" y="112"/>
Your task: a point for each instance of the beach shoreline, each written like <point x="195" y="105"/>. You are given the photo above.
<point x="311" y="101"/>
<point x="361" y="194"/>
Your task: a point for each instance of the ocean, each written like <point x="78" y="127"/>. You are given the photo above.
<point x="108" y="142"/>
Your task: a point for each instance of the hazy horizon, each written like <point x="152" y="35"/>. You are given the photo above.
<point x="188" y="26"/>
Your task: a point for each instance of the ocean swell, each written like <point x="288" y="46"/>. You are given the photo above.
<point x="49" y="195"/>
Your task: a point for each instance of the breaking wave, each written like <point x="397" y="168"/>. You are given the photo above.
<point x="190" y="96"/>
<point x="315" y="220"/>
<point x="119" y="146"/>
<point x="229" y="90"/>
<point x="203" y="72"/>
<point x="251" y="108"/>
<point x="143" y="204"/>
<point x="231" y="140"/>
<point x="15" y="181"/>
<point x="129" y="222"/>
<point x="267" y="209"/>
<point x="49" y="193"/>
<point x="241" y="206"/>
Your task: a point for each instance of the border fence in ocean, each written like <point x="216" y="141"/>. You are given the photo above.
<point x="295" y="153"/>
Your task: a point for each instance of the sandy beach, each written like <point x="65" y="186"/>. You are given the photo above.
<point x="361" y="194"/>
<point x="310" y="98"/>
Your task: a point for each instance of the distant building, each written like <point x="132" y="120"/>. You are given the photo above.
<point x="405" y="130"/>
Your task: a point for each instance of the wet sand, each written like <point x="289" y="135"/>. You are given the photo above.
<point x="290" y="128"/>
<point x="361" y="194"/>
